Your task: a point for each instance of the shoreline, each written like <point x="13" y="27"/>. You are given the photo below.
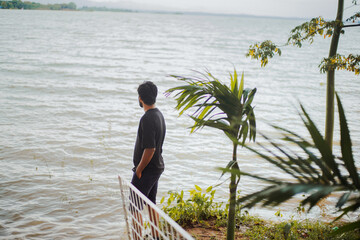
<point x="105" y="9"/>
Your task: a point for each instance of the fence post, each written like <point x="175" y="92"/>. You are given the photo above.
<point x="124" y="207"/>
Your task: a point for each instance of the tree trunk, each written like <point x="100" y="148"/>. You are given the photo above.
<point x="330" y="89"/>
<point x="232" y="205"/>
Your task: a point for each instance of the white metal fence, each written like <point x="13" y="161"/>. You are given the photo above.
<point x="144" y="220"/>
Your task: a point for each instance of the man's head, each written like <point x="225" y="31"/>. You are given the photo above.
<point x="147" y="93"/>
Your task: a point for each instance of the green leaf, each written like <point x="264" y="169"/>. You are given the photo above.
<point x="244" y="132"/>
<point x="343" y="199"/>
<point x="250" y="97"/>
<point x="241" y="88"/>
<point x="204" y="111"/>
<point x="320" y="193"/>
<point x="252" y="121"/>
<point x="228" y="166"/>
<point x="323" y="148"/>
<point x="346" y="149"/>
<point x="198" y="188"/>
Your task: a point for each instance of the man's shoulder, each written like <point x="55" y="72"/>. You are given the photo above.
<point x="152" y="113"/>
<point x="149" y="115"/>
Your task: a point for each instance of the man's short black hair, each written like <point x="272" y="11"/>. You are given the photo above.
<point x="147" y="92"/>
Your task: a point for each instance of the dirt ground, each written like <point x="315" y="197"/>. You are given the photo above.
<point x="210" y="233"/>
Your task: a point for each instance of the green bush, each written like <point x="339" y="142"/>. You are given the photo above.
<point x="199" y="207"/>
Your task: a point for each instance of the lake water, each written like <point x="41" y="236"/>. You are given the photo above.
<point x="69" y="109"/>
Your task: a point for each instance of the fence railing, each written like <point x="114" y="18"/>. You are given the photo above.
<point x="144" y="220"/>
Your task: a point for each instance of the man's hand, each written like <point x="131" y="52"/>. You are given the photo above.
<point x="138" y="173"/>
<point x="145" y="159"/>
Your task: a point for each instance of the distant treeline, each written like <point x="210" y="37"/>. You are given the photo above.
<point x="85" y="8"/>
<point x="18" y="4"/>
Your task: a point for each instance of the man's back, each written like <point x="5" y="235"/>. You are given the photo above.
<point x="148" y="161"/>
<point x="151" y="134"/>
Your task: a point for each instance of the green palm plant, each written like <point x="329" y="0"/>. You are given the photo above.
<point x="317" y="172"/>
<point x="227" y="108"/>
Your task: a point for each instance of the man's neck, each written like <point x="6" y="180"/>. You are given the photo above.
<point x="148" y="107"/>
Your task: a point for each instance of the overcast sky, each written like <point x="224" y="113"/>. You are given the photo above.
<point x="281" y="8"/>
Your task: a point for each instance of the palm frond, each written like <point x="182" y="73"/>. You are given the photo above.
<point x="323" y="147"/>
<point x="278" y="163"/>
<point x="218" y="124"/>
<point x="306" y="163"/>
<point x="207" y="97"/>
<point x="317" y="174"/>
<point x="346" y="146"/>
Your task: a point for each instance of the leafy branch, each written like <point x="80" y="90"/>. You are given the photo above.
<point x="264" y="50"/>
<point x="350" y="63"/>
<point x="307" y="32"/>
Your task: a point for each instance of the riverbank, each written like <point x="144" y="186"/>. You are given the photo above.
<point x="250" y="227"/>
<point x="206" y="219"/>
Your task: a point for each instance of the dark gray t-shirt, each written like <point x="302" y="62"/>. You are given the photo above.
<point x="151" y="134"/>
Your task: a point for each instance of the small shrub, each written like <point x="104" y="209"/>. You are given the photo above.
<point x="195" y="210"/>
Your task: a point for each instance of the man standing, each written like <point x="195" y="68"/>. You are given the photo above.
<point x="147" y="158"/>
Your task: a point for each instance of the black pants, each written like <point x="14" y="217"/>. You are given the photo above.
<point x="147" y="184"/>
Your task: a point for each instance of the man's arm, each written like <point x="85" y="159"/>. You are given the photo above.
<point x="145" y="159"/>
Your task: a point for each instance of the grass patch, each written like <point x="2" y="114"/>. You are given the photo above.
<point x="205" y="219"/>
